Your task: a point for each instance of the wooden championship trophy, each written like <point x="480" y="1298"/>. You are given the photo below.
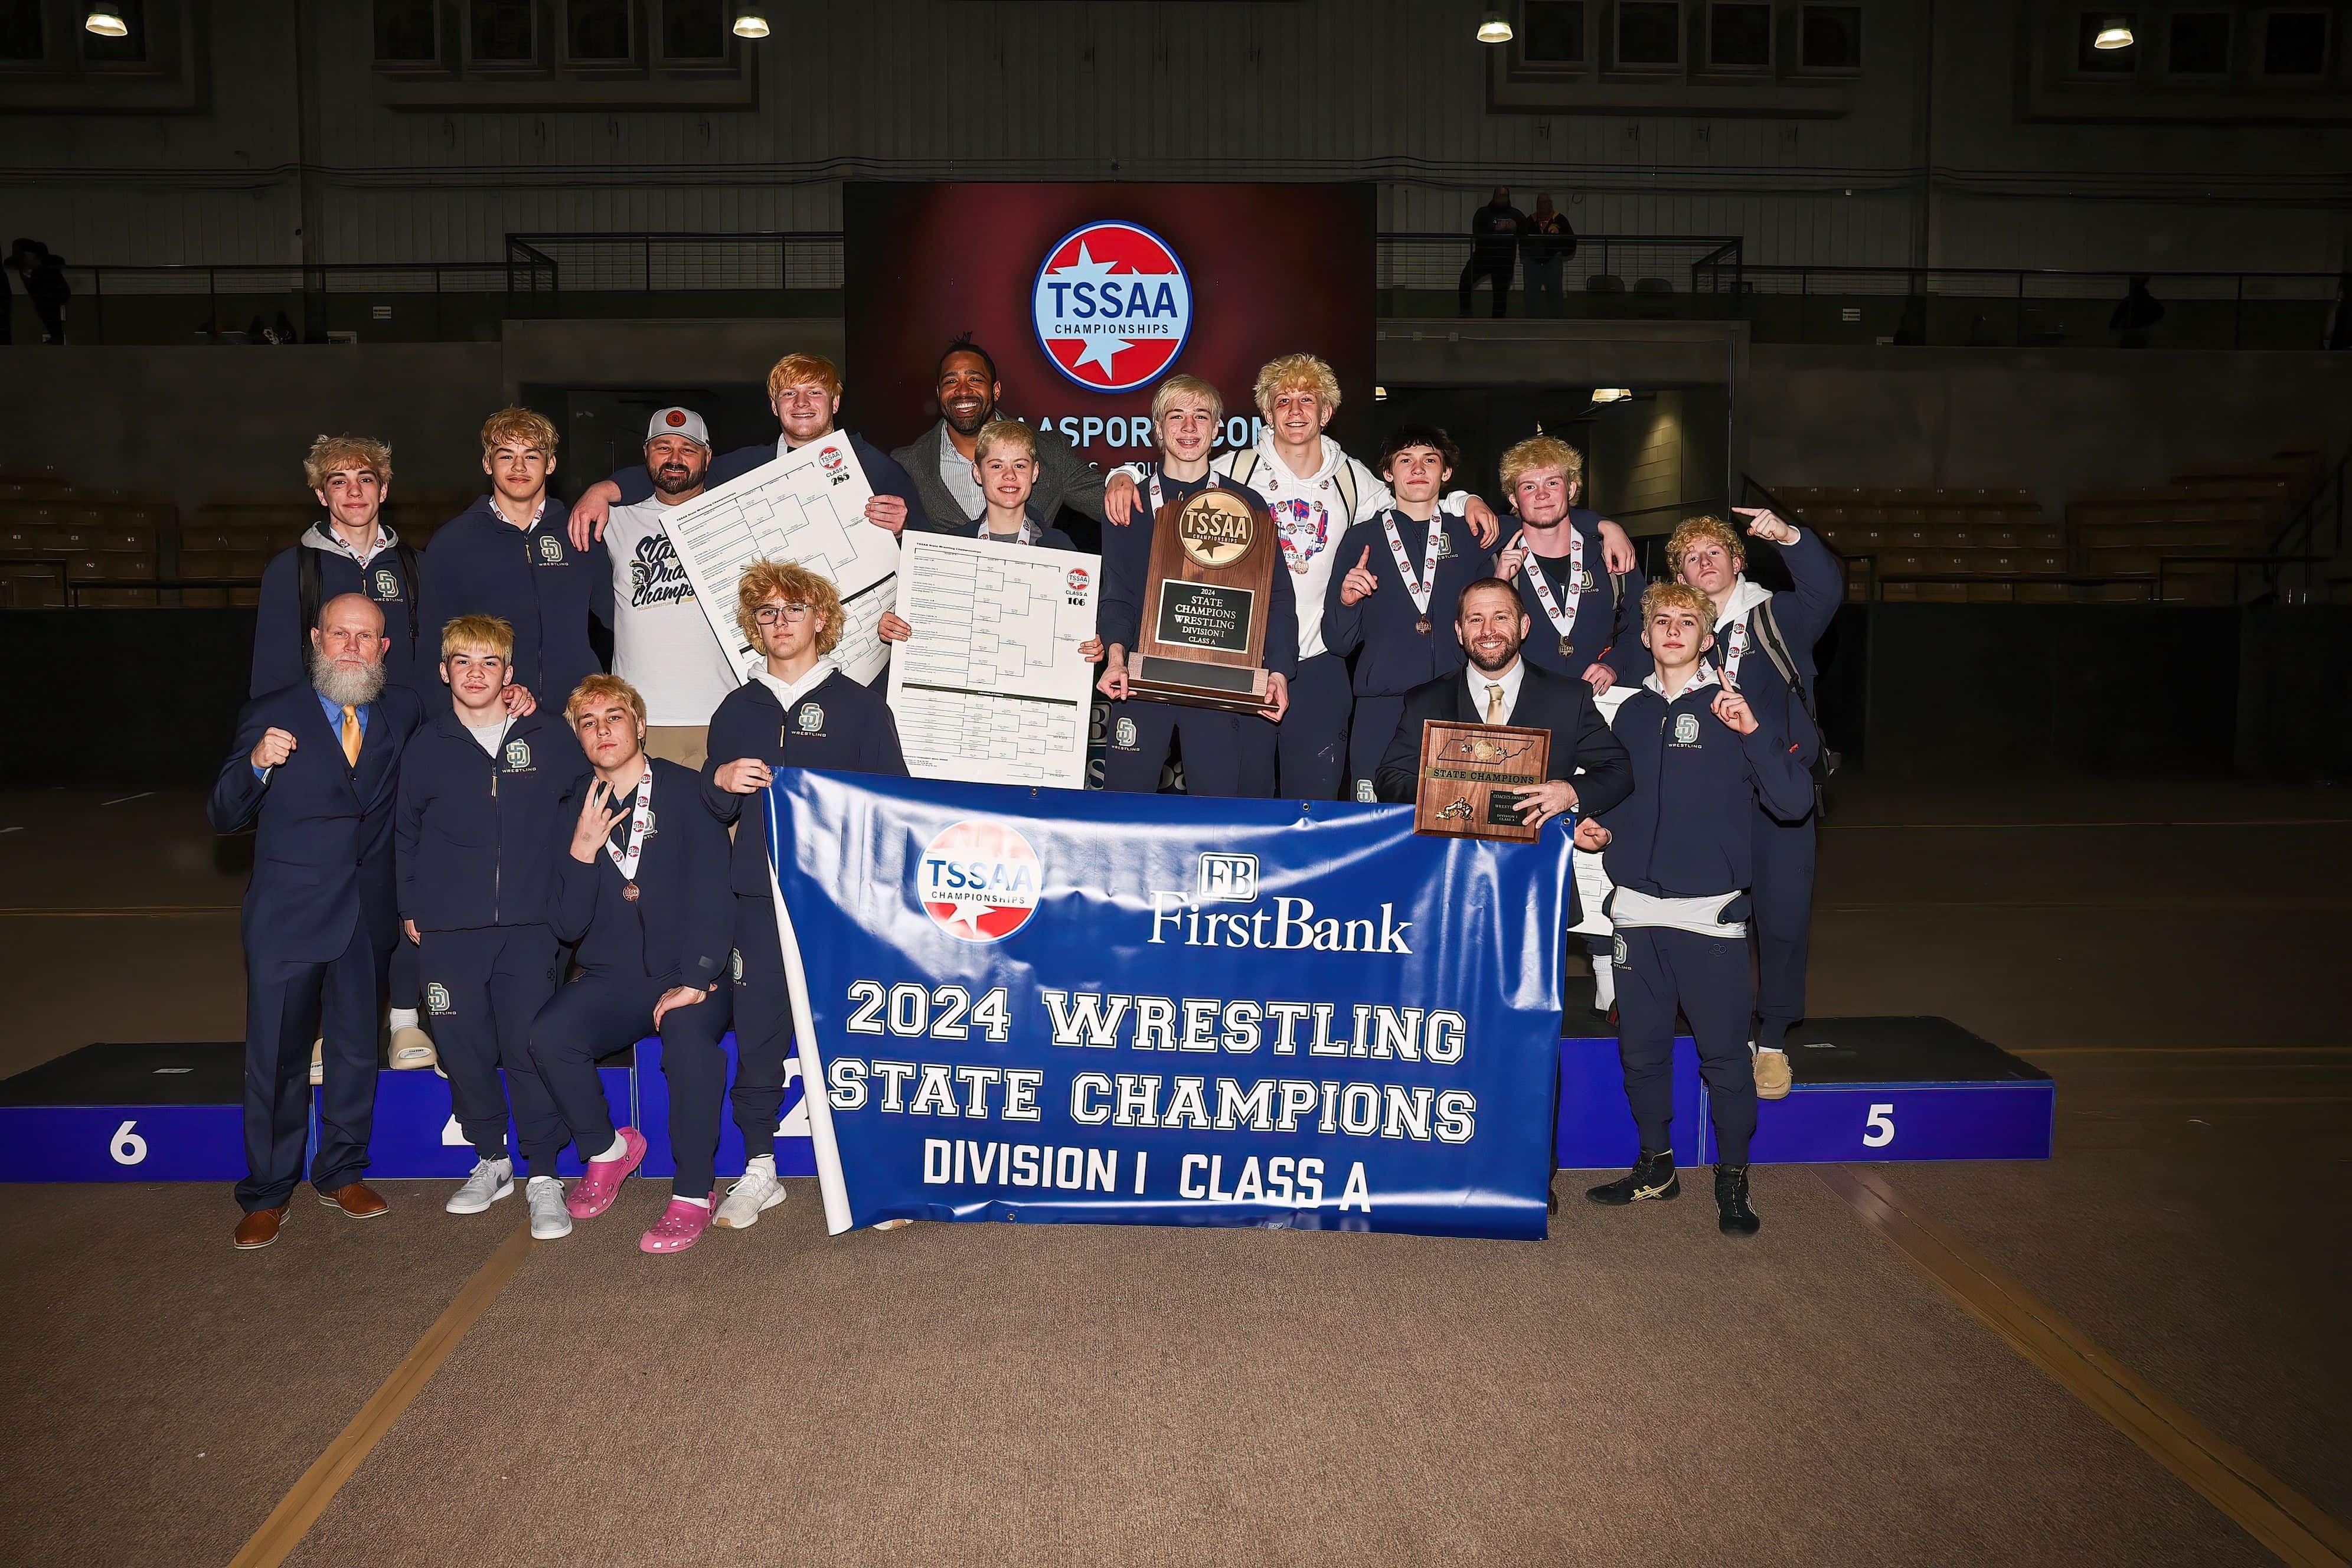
<point x="1207" y="591"/>
<point x="1464" y="770"/>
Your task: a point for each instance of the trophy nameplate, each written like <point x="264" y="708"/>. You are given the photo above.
<point x="1466" y="773"/>
<point x="1207" y="590"/>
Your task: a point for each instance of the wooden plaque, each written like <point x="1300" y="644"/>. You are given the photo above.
<point x="1208" y="589"/>
<point x="1462" y="768"/>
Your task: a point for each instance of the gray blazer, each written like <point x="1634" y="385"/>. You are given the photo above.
<point x="1064" y="478"/>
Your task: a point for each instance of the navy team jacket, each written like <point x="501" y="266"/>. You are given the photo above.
<point x="1395" y="657"/>
<point x="1688" y="830"/>
<point x="476" y="833"/>
<point x="838" y="724"/>
<point x="1613" y="636"/>
<point x="1126" y="558"/>
<point x="481" y="565"/>
<point x="681" y="926"/>
<point x="322" y="829"/>
<point x="882" y="473"/>
<point x="1802" y="616"/>
<point x="279" y="637"/>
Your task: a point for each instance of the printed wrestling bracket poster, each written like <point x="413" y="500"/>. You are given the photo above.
<point x="1088" y="296"/>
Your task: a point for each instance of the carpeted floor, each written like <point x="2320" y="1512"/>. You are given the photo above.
<point x="1635" y="1390"/>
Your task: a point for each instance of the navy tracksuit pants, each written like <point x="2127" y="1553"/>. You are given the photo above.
<point x="1706" y="978"/>
<point x="483" y="988"/>
<point x="1782" y="927"/>
<point x="1374" y="726"/>
<point x="597" y="1014"/>
<point x="763" y="1024"/>
<point x="1312" y="739"/>
<point x="288" y="1005"/>
<point x="1222" y="759"/>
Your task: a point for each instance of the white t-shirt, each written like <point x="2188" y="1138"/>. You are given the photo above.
<point x="661" y="643"/>
<point x="489" y="736"/>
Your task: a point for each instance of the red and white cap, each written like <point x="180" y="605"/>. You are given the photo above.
<point x="683" y="422"/>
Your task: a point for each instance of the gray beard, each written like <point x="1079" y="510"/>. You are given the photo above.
<point x="345" y="686"/>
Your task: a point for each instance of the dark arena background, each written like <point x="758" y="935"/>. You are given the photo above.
<point x="2032" y="320"/>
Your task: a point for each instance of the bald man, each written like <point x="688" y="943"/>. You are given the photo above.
<point x="314" y="774"/>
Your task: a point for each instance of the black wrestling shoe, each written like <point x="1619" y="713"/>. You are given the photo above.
<point x="1732" y="1215"/>
<point x="1652" y="1176"/>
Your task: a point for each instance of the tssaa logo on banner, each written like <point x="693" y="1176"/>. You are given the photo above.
<point x="1112" y="306"/>
<point x="1064" y="1006"/>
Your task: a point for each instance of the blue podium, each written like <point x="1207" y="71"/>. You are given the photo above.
<point x="1866" y="1090"/>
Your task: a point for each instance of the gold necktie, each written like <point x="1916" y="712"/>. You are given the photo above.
<point x="352" y="734"/>
<point x="1494" y="704"/>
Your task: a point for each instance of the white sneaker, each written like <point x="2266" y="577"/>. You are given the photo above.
<point x="318" y="1061"/>
<point x="491" y="1180"/>
<point x="754" y="1194"/>
<point x="549" y="1218"/>
<point x="892" y="1224"/>
<point x="411" y="1049"/>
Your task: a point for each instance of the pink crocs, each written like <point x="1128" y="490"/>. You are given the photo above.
<point x="600" y="1184"/>
<point x="679" y="1227"/>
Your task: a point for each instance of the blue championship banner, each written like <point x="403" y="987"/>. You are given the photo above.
<point x="1061" y="1005"/>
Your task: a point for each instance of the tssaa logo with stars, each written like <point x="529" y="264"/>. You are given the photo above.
<point x="980" y="880"/>
<point x="1112" y="306"/>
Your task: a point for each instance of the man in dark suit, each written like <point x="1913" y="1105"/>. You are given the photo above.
<point x="314" y="771"/>
<point x="1589" y="773"/>
<point x="939" y="460"/>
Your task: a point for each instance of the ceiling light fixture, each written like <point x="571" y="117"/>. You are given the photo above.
<point x="750" y="21"/>
<point x="106" y="21"/>
<point x="2116" y="34"/>
<point x="1494" y="29"/>
<point x="1612" y="393"/>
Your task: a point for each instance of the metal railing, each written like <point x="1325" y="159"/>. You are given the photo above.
<point x="1989" y="307"/>
<point x="1609" y="274"/>
<point x="2297" y="540"/>
<point x="242" y="303"/>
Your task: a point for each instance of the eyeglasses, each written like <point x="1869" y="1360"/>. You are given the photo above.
<point x="776" y="615"/>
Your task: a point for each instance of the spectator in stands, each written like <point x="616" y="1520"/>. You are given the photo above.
<point x="2137" y="315"/>
<point x="806" y="391"/>
<point x="941" y="460"/>
<point x="43" y="277"/>
<point x="1495" y="231"/>
<point x="1546" y="246"/>
<point x="1763" y="649"/>
<point x="507" y="555"/>
<point x="315" y="772"/>
<point x="662" y="642"/>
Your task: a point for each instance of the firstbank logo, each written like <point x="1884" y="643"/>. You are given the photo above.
<point x="1289" y="925"/>
<point x="1112" y="306"/>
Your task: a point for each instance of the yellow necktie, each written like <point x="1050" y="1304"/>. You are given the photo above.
<point x="352" y="734"/>
<point x="1494" y="704"/>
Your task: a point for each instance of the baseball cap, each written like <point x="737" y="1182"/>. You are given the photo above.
<point x="683" y="422"/>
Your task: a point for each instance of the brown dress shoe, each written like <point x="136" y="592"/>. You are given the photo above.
<point x="357" y="1199"/>
<point x="258" y="1228"/>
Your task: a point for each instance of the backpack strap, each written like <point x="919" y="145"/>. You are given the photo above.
<point x="1345" y="480"/>
<point x="306" y="574"/>
<point x="406" y="555"/>
<point x="1244" y="465"/>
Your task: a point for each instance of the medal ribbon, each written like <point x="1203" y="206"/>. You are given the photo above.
<point x="1427" y="584"/>
<point x="1561" y="620"/>
<point x="641" y="816"/>
<point x="1735" y="644"/>
<point x="1157" y="496"/>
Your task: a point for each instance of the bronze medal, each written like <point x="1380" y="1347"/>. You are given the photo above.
<point x="1422" y="625"/>
<point x="629" y="892"/>
<point x="1565" y="647"/>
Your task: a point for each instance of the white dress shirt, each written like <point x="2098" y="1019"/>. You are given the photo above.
<point x="1510" y="681"/>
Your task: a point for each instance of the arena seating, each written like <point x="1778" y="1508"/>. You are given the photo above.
<point x="2181" y="542"/>
<point x="64" y="544"/>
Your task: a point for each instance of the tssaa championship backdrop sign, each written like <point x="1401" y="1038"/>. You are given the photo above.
<point x="1064" y="1006"/>
<point x="1090" y="295"/>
